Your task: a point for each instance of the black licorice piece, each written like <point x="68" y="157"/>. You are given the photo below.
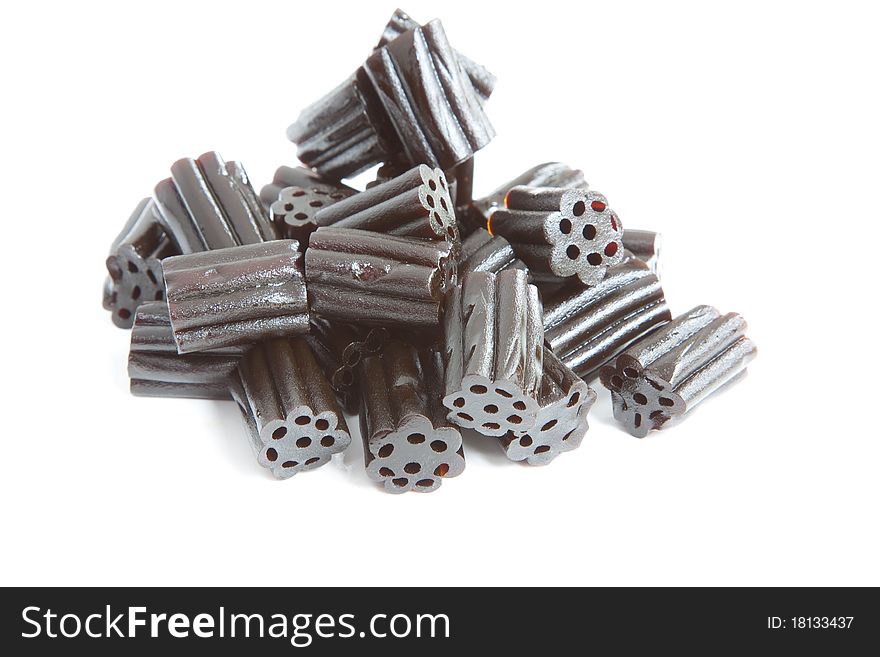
<point x="560" y="233"/>
<point x="414" y="204"/>
<point x="135" y="275"/>
<point x="408" y="444"/>
<point x="409" y="102"/>
<point x="644" y="245"/>
<point x="155" y="369"/>
<point x="561" y="424"/>
<point x="291" y="413"/>
<point x="549" y="174"/>
<point x="374" y="279"/>
<point x="147" y="388"/>
<point x="240" y="295"/>
<point x="482" y="252"/>
<point x="295" y="196"/>
<point x="481" y="79"/>
<point x="431" y="105"/>
<point x="390" y="170"/>
<point x="293" y="212"/>
<point x="493" y="339"/>
<point x="666" y="374"/>
<point x="286" y="176"/>
<point x="345" y="132"/>
<point x="210" y="204"/>
<point x="588" y="326"/>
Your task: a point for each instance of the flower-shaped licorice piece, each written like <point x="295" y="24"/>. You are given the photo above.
<point x="416" y="203"/>
<point x="302" y="441"/>
<point x="672" y="369"/>
<point x="548" y="174"/>
<point x="561" y="422"/>
<point x="293" y="213"/>
<point x="134" y="267"/>
<point x="641" y="401"/>
<point x="493" y="351"/>
<point x="416" y="457"/>
<point x="410" y="101"/>
<point x="434" y="196"/>
<point x="133" y="280"/>
<point x="586" y="236"/>
<point x="482" y="80"/>
<point x="428" y="100"/>
<point x="491" y="407"/>
<point x="293" y="418"/>
<point x="408" y="444"/>
<point x="560" y="232"/>
<point x="548" y="439"/>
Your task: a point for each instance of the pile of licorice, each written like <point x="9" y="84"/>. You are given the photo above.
<point x="411" y="305"/>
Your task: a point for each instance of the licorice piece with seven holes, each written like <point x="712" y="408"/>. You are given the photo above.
<point x="291" y="414"/>
<point x="560" y="233"/>
<point x="668" y="372"/>
<point x="414" y="204"/>
<point x="135" y="272"/>
<point x="408" y="443"/>
<point x="295" y="196"/>
<point x="561" y="423"/>
<point x="493" y="351"/>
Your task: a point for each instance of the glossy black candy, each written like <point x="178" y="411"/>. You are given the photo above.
<point x="135" y="273"/>
<point x="664" y="375"/>
<point x="293" y="420"/>
<point x="588" y="326"/>
<point x="561" y="423"/>
<point x="345" y="132"/>
<point x="240" y="295"/>
<point x="560" y="233"/>
<point x="208" y="203"/>
<point x="549" y="174"/>
<point x="374" y="279"/>
<point x="295" y="196"/>
<point x="493" y="351"/>
<point x="431" y="105"/>
<point x="414" y="204"/>
<point x="482" y="252"/>
<point x="155" y="369"/>
<point x="481" y="79"/>
<point x="408" y="444"/>
<point x="410" y="102"/>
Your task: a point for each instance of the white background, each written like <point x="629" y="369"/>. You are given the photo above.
<point x="747" y="134"/>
